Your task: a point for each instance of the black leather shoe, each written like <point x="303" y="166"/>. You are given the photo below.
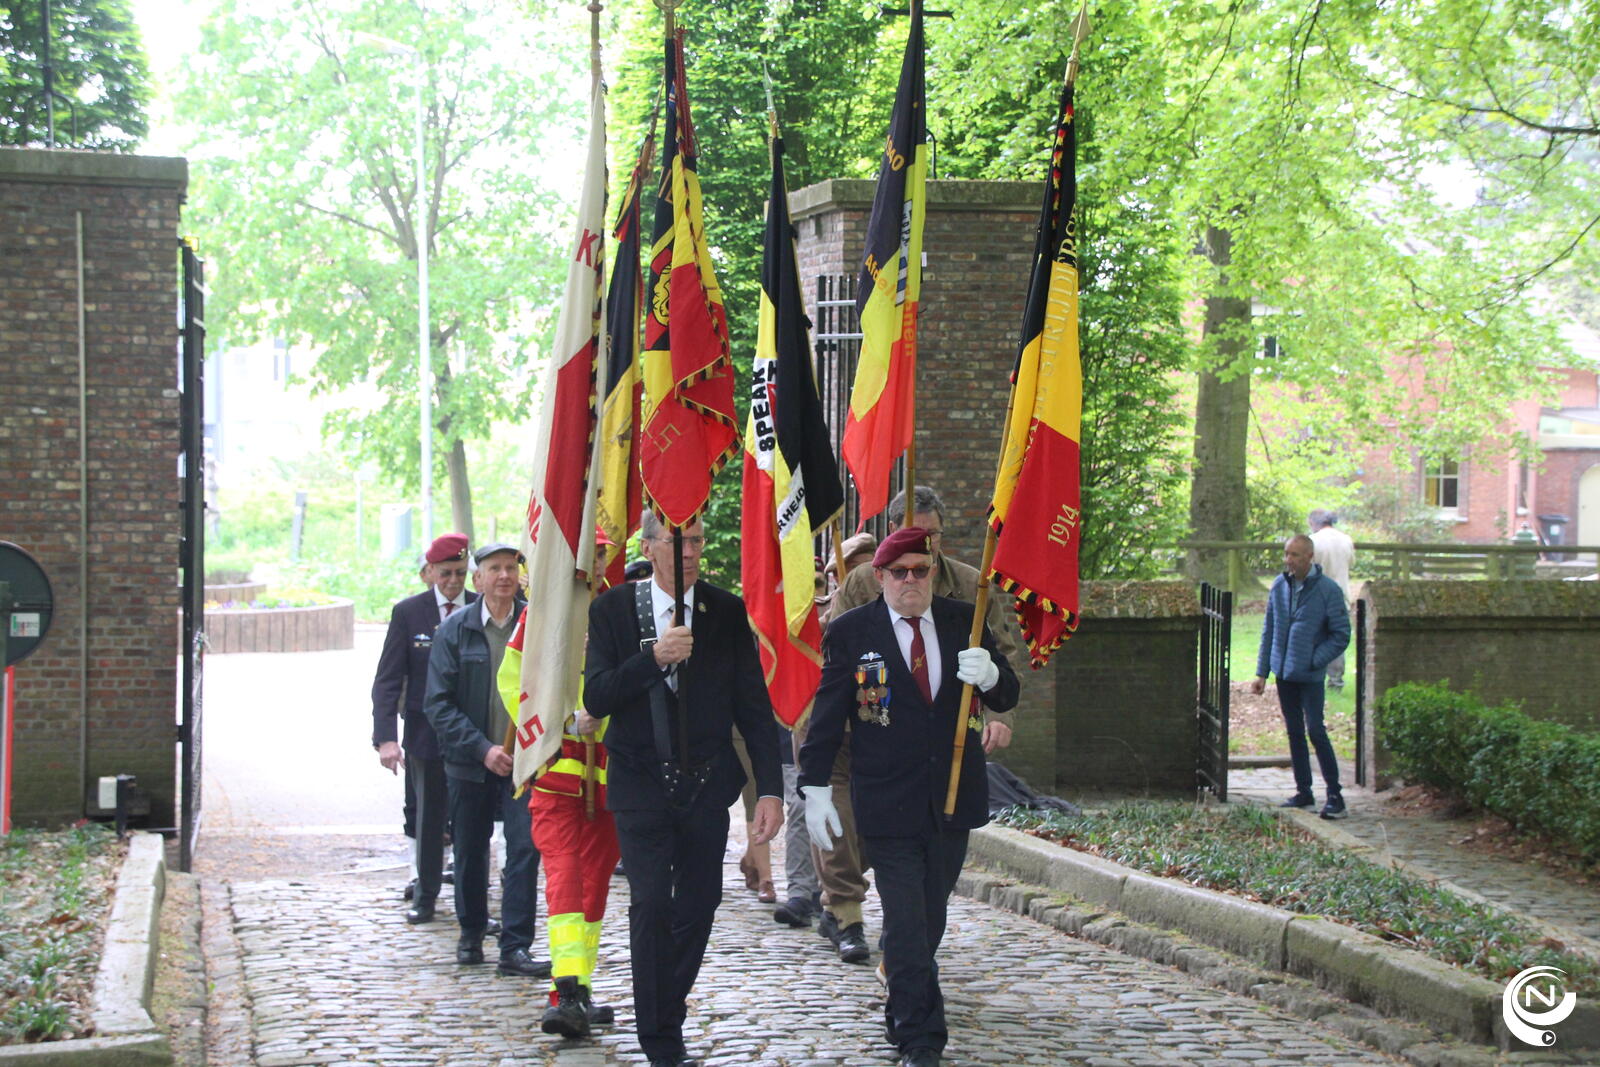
<point x="493" y="929"/>
<point x="566" y="1016"/>
<point x="409" y="891"/>
<point x="521" y="965"/>
<point x="673" y="1061"/>
<point x="469" y="950"/>
<point x="828" y="926"/>
<point x="420" y="913"/>
<point x="853" y="944"/>
<point x="796" y="911"/>
<point x="920" y="1057"/>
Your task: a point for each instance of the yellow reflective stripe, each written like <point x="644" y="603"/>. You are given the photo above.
<point x="591" y="949"/>
<point x="568" y="945"/>
<point x="574" y="767"/>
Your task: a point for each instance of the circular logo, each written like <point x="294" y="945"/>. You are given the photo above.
<point x="1533" y="999"/>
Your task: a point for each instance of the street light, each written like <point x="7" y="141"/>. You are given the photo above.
<point x="420" y="233"/>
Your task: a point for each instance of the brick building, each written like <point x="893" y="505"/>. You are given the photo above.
<point x="89" y="482"/>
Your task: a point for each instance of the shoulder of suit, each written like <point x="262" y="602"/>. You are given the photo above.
<point x="950" y="607"/>
<point x="415" y="600"/>
<point x="861" y="614"/>
<point x="708" y="594"/>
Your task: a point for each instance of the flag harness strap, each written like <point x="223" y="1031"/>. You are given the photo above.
<point x="682" y="779"/>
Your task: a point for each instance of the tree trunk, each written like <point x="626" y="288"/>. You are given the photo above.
<point x="460" y="490"/>
<point x="1218" y="501"/>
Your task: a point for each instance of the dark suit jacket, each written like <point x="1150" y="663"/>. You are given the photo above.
<point x="724" y="689"/>
<point x="899" y="773"/>
<point x="403" y="675"/>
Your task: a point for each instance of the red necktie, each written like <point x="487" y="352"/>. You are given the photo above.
<point x="449" y="606"/>
<point x="919" y="660"/>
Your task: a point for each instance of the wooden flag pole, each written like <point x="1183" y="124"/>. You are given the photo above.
<point x="991" y="540"/>
<point x="677" y="620"/>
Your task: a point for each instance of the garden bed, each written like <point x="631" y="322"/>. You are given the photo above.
<point x="56" y="891"/>
<point x="314" y="628"/>
<point x="1251" y="853"/>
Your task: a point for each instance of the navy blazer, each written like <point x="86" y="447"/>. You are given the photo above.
<point x="899" y="773"/>
<point x="402" y="675"/>
<point x="722" y="681"/>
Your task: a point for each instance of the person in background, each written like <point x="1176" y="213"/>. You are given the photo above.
<point x="1305" y="627"/>
<point x="400" y="682"/>
<point x="1333" y="551"/>
<point x="467" y="713"/>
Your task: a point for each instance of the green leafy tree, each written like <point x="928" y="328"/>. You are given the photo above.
<point x="100" y="69"/>
<point x="306" y="203"/>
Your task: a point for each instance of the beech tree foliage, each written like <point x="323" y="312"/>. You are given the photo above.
<point x="100" y="69"/>
<point x="305" y="201"/>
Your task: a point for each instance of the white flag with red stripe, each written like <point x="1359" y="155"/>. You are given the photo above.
<point x="561" y="509"/>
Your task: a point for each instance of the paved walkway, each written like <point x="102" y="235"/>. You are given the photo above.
<point x="1432" y="845"/>
<point x="314" y="964"/>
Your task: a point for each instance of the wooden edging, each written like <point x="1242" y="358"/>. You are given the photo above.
<point x="1095" y="898"/>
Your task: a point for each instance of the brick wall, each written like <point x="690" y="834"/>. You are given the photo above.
<point x="1533" y="642"/>
<point x="1125" y="691"/>
<point x="124" y="679"/>
<point x="978" y="242"/>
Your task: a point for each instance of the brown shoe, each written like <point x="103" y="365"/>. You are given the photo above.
<point x="767" y="894"/>
<point x="752" y="876"/>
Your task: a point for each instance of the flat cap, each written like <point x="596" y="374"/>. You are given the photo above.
<point x="489" y="550"/>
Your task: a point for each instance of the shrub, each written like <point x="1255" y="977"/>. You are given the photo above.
<point x="1540" y="776"/>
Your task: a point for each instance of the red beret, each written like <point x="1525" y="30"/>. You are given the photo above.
<point x="447" y="547"/>
<point x="906" y="539"/>
<point x="600" y="537"/>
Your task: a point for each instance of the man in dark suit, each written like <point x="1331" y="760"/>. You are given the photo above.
<point x="672" y="813"/>
<point x="896" y="667"/>
<point x="469" y="715"/>
<point x="400" y="680"/>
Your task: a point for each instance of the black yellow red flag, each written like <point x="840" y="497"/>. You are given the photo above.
<point x="882" y="417"/>
<point x="1036" y="508"/>
<point x="791" y="481"/>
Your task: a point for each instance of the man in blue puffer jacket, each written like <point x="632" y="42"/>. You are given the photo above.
<point x="1306" y="628"/>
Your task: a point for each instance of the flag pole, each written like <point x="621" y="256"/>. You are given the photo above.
<point x="991" y="539"/>
<point x="910" y="508"/>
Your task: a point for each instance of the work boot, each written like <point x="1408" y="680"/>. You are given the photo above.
<point x="566" y="1016"/>
<point x="599" y="1014"/>
<point x="796" y="911"/>
<point x="853" y="943"/>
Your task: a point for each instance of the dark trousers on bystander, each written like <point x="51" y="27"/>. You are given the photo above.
<point x="473" y="807"/>
<point x="1302" y="704"/>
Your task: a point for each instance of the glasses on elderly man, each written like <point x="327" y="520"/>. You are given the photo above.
<point x="901" y="574"/>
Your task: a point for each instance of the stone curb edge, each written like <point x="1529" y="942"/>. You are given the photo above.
<point x="1350" y="964"/>
<point x="126" y="1035"/>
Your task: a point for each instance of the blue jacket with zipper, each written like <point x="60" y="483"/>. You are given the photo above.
<point x="1297" y="645"/>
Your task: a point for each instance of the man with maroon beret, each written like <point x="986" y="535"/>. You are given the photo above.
<point x="399" y="683"/>
<point x="894" y="670"/>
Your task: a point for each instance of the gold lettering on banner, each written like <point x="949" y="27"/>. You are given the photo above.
<point x="1062" y="527"/>
<point x="662" y="438"/>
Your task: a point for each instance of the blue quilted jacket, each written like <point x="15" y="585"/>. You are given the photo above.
<point x="1297" y="646"/>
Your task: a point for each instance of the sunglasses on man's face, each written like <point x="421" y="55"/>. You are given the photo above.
<point x="900" y="574"/>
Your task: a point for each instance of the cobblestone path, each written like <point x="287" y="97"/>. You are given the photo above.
<point x="1432" y="844"/>
<point x="334" y="976"/>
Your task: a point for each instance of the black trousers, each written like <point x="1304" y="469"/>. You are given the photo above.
<point x="425" y="782"/>
<point x="674" y="865"/>
<point x="473" y="808"/>
<point x="915" y="878"/>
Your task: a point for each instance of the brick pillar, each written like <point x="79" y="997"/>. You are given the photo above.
<point x="978" y="244"/>
<point x="123" y="680"/>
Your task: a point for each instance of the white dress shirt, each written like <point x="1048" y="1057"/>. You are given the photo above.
<point x="930" y="643"/>
<point x="439" y="602"/>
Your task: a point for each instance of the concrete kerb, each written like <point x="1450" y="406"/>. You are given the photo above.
<point x="1356" y="966"/>
<point x="126" y="1036"/>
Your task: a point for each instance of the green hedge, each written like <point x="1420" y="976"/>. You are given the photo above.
<point x="1541" y="776"/>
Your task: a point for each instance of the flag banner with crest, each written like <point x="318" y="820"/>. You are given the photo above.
<point x="561" y="507"/>
<point x="1036" y="505"/>
<point x="688" y="423"/>
<point x="791" y="479"/>
<point x="882" y="417"/>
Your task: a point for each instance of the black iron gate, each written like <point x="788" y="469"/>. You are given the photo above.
<point x="191" y="552"/>
<point x="1211" y="707"/>
<point x="838" y="340"/>
<point x="1361" y="692"/>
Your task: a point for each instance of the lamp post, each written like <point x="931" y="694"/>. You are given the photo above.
<point x="420" y="233"/>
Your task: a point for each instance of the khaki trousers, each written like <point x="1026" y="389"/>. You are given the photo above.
<point x="842" y="871"/>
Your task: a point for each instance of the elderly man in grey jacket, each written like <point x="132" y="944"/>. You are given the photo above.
<point x="1306" y="627"/>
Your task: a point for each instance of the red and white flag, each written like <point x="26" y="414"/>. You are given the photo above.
<point x="561" y="508"/>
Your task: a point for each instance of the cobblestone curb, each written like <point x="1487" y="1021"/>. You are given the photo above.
<point x="1343" y="961"/>
<point x="127" y="1036"/>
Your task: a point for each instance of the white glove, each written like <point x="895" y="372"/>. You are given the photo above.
<point x="974" y="666"/>
<point x="821" y="815"/>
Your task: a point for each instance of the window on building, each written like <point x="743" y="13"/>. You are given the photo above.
<point x="1441" y="484"/>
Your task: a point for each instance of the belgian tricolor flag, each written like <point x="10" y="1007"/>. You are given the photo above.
<point x="882" y="415"/>
<point x="791" y="480"/>
<point x="1036" y="505"/>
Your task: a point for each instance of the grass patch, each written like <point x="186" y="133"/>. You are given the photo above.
<point x="1250" y="852"/>
<point x="55" y="897"/>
